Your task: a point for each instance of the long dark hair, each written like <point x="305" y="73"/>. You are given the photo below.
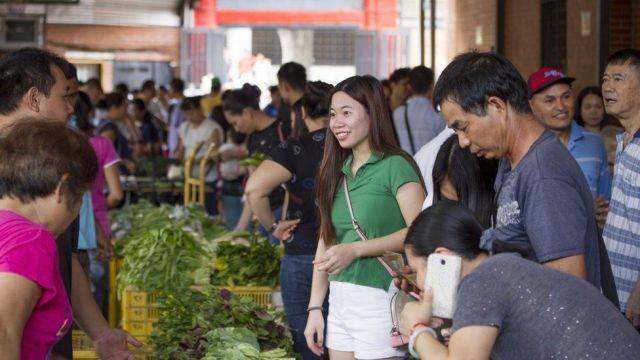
<point x="366" y="90"/>
<point x="446" y="224"/>
<point x="589" y="90"/>
<point x="471" y="176"/>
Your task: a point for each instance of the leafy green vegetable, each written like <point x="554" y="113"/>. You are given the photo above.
<point x="161" y="259"/>
<point x="213" y="324"/>
<point x="241" y="265"/>
<point x="254" y="160"/>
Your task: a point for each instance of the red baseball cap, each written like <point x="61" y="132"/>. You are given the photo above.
<point x="545" y="77"/>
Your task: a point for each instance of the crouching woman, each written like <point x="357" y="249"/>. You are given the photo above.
<point x="508" y="307"/>
<point x="44" y="170"/>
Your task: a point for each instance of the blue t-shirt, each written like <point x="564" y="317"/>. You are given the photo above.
<point x="541" y="313"/>
<point x="545" y="207"/>
<point x="589" y="151"/>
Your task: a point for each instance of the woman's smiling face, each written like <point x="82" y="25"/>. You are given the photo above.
<point x="348" y="120"/>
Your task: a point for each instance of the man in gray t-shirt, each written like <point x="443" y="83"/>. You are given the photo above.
<point x="542" y="209"/>
<point x="541" y="313"/>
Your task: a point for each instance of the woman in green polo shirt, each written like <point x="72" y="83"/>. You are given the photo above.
<point x="386" y="194"/>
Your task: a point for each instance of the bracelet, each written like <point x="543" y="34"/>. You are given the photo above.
<point x="311" y="308"/>
<point x="419" y="330"/>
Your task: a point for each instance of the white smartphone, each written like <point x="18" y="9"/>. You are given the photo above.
<point x="443" y="276"/>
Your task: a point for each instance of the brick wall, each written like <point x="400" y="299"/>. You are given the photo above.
<point x="636" y="24"/>
<point x="621" y="24"/>
<point x="582" y="48"/>
<point x="474" y="25"/>
<point x="522" y="35"/>
<point x="126" y="43"/>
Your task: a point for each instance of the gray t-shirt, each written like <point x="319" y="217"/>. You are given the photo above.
<point x="545" y="207"/>
<point x="542" y="313"/>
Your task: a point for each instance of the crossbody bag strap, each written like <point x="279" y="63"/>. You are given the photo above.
<point x="358" y="229"/>
<point x="406" y="123"/>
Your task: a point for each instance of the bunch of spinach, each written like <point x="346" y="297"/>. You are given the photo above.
<point x="239" y="265"/>
<point x="189" y="319"/>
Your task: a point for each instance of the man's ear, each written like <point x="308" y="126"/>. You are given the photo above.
<point x="33" y="97"/>
<point x="496" y="106"/>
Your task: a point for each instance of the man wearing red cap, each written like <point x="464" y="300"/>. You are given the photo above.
<point x="552" y="102"/>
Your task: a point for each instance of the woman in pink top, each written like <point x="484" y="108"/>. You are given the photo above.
<point x="109" y="175"/>
<point x="44" y="170"/>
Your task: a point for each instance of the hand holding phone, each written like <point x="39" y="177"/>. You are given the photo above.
<point x="443" y="277"/>
<point x="405" y="278"/>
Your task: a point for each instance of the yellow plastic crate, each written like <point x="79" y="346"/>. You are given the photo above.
<point x="114" y="304"/>
<point x="140" y="310"/>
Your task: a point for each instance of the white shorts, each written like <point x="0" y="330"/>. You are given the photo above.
<point x="360" y="321"/>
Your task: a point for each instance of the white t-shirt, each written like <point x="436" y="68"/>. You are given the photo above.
<point x="191" y="136"/>
<point x="231" y="169"/>
<point x="426" y="158"/>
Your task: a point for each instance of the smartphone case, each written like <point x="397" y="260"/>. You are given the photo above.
<point x="443" y="276"/>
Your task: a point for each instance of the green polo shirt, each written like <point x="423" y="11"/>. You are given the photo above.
<point x="373" y="197"/>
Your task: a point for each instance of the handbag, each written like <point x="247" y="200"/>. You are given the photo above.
<point x="399" y="299"/>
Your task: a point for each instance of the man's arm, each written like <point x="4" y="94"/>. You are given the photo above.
<point x="110" y="343"/>
<point x="574" y="265"/>
<point x="633" y="306"/>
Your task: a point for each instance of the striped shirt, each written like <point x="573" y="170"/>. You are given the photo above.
<point x="622" y="230"/>
<point x="589" y="151"/>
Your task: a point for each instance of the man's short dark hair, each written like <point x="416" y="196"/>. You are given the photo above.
<point x="471" y="78"/>
<point x="631" y="56"/>
<point x="148" y="85"/>
<point x="71" y="72"/>
<point x="399" y="74"/>
<point x="293" y="74"/>
<point x="421" y="79"/>
<point x="24" y="69"/>
<point x="123" y="88"/>
<point x="94" y="82"/>
<point x="177" y="84"/>
<point x="273" y="89"/>
<point x="190" y="103"/>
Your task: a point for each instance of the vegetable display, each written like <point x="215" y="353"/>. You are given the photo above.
<point x="213" y="324"/>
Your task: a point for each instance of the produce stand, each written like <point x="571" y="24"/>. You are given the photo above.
<point x="190" y="289"/>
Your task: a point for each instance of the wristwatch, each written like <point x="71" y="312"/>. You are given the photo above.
<point x="273" y="227"/>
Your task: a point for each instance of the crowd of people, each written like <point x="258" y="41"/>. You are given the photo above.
<point x="536" y="193"/>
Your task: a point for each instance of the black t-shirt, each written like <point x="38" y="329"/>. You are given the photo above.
<point x="67" y="244"/>
<point x="264" y="141"/>
<point x="302" y="158"/>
